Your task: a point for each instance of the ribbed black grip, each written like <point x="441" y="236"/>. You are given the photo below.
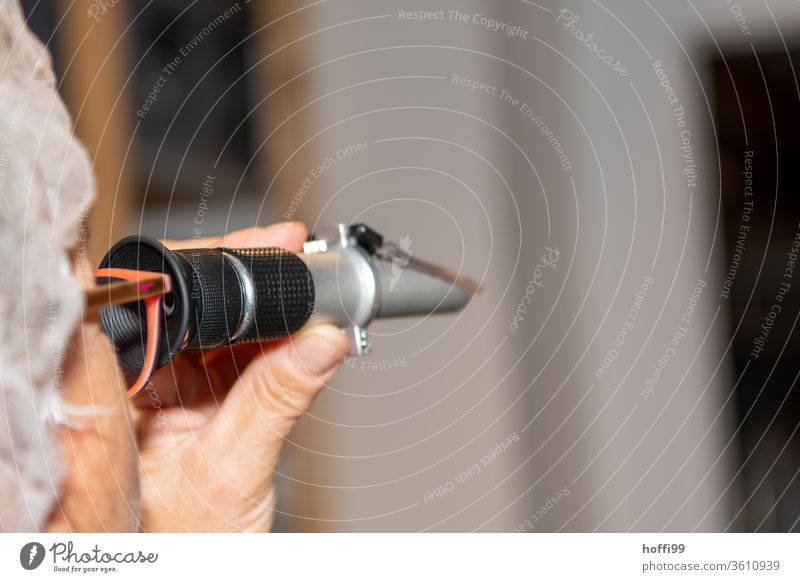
<point x="284" y="292"/>
<point x="126" y="325"/>
<point x="219" y="296"/>
<point x="215" y="294"/>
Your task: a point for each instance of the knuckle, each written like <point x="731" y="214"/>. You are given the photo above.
<point x="279" y="391"/>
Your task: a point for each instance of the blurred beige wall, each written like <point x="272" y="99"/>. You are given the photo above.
<point x="432" y="170"/>
<point x="477" y="184"/>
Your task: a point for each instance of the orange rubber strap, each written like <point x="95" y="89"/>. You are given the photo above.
<point x="153" y="309"/>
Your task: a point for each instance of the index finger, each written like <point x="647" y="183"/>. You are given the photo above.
<point x="286" y="235"/>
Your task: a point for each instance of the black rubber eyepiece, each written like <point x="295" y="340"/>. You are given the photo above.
<point x="219" y="297"/>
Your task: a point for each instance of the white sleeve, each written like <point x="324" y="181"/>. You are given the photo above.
<point x="45" y="188"/>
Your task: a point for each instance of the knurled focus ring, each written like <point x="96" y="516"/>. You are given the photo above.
<point x="284" y="292"/>
<point x="216" y="300"/>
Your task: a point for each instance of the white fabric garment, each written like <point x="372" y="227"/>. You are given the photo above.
<point x="45" y="188"/>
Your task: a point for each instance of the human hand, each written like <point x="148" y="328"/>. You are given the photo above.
<point x="211" y="427"/>
<point x="99" y="488"/>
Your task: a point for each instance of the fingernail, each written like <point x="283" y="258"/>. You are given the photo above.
<point x="318" y="352"/>
<point x="287" y="228"/>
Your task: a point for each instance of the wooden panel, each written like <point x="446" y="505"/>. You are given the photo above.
<point x="93" y="53"/>
<point x="277" y="31"/>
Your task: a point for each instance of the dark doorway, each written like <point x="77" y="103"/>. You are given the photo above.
<point x="756" y="101"/>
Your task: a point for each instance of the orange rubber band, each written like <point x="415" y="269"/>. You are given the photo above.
<point x="144" y="290"/>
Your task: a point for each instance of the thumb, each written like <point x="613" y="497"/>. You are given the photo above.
<point x="272" y="393"/>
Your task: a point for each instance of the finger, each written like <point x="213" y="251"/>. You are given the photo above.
<point x="193" y="379"/>
<point x="99" y="490"/>
<point x="285" y="235"/>
<point x="272" y="393"/>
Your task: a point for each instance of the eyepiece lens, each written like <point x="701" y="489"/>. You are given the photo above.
<point x="169" y="303"/>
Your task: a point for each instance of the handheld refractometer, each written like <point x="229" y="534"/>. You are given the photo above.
<point x="347" y="276"/>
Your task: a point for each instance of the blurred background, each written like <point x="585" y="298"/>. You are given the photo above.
<point x="621" y="176"/>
